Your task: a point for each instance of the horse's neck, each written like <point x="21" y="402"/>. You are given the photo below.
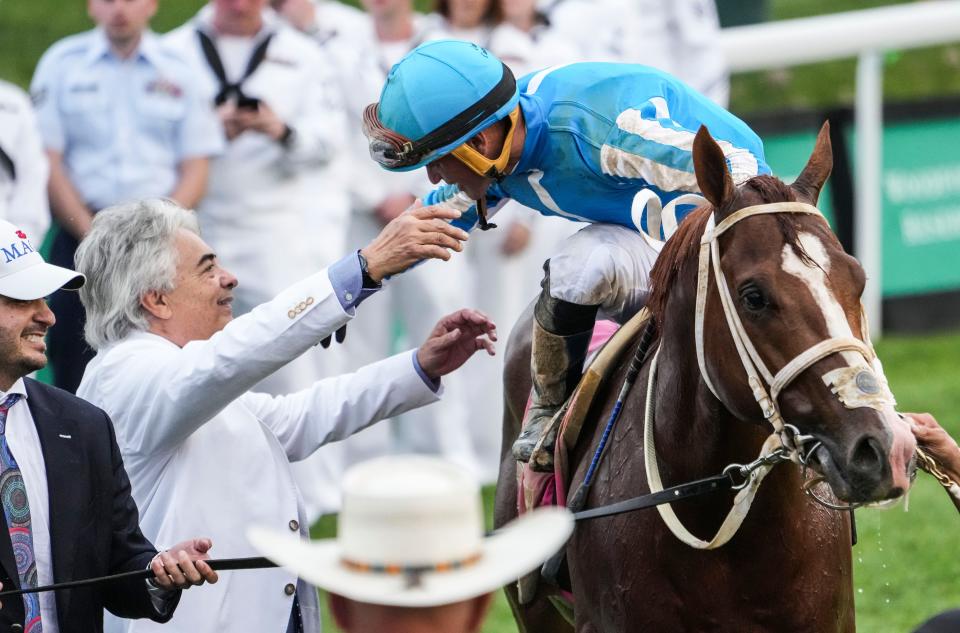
<point x="691" y="424"/>
<point x="696" y="437"/>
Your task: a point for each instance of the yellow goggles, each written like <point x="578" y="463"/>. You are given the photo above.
<point x="487" y="167"/>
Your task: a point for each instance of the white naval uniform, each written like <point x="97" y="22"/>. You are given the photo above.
<point x="207" y="457"/>
<point x="23" y="191"/>
<point x="680" y="37"/>
<point x="260" y="192"/>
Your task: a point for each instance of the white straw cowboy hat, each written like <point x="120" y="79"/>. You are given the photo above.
<point x="411" y="535"/>
<point x="23" y="273"/>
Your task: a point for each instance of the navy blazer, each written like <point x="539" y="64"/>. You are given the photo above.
<point x="94" y="522"/>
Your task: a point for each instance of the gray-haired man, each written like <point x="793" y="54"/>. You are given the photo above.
<point x="174" y="368"/>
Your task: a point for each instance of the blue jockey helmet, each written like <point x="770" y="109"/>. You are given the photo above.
<point x="435" y="99"/>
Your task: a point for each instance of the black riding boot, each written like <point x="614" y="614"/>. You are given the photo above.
<point x="561" y="336"/>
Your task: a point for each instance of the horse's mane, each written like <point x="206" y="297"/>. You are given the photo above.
<point x="683" y="246"/>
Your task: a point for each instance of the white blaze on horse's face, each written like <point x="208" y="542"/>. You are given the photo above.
<point x="815" y="279"/>
<point x="859" y="384"/>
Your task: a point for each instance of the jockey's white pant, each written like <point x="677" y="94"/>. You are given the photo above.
<point x="607" y="265"/>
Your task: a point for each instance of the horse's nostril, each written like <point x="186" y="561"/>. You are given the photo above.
<point x="867" y="457"/>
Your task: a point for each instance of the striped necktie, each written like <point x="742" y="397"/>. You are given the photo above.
<point x="16" y="509"/>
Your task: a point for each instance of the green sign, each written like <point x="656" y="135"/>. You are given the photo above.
<point x="921" y="200"/>
<point x="921" y="207"/>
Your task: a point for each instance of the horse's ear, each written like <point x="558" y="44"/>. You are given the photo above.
<point x="810" y="181"/>
<point x="710" y="166"/>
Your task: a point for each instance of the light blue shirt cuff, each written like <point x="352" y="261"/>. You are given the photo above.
<point x="347" y="281"/>
<point x="430" y="382"/>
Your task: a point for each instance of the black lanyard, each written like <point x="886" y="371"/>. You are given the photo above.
<point x="227" y="89"/>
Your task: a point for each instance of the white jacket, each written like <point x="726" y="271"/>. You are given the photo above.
<point x="208" y="458"/>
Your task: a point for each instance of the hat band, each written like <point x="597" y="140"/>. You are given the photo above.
<point x="393" y="150"/>
<point x="394" y="569"/>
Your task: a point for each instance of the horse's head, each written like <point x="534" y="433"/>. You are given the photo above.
<point x="793" y="313"/>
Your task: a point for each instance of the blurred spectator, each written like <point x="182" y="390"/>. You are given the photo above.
<point x="424" y="517"/>
<point x="680" y="37"/>
<point x="470" y="20"/>
<point x="23" y="165"/>
<point x="273" y="199"/>
<point x="173" y="370"/>
<point x="120" y="118"/>
<point x="326" y="21"/>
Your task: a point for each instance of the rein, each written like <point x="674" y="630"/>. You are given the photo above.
<point x="223" y="564"/>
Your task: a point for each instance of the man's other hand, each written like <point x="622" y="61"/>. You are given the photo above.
<point x="932" y="438"/>
<point x="182" y="566"/>
<point x="416" y="234"/>
<point x="454" y="339"/>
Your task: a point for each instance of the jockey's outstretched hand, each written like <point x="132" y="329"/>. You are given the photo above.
<point x="416" y="234"/>
<point x="454" y="339"/>
<point x="932" y="438"/>
<point x="182" y="566"/>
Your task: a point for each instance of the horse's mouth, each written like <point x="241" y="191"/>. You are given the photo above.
<point x="848" y="488"/>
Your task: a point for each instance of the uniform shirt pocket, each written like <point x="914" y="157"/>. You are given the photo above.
<point x="86" y="115"/>
<point x="160" y="116"/>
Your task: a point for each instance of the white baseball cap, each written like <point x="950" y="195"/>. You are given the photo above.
<point x="23" y="273"/>
<point x="411" y="535"/>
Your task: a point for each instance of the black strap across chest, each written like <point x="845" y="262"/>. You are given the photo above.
<point x="228" y="89"/>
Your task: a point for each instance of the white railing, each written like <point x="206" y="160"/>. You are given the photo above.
<point x="866" y="35"/>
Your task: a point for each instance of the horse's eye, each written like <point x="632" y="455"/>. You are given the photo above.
<point x="753" y="299"/>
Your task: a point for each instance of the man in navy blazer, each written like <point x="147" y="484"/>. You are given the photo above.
<point x="78" y="519"/>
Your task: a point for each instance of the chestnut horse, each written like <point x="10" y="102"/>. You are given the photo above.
<point x="795" y="297"/>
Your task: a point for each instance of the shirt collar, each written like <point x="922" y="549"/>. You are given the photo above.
<point x="535" y="138"/>
<point x="17" y="387"/>
<point x="99" y="46"/>
<point x="148" y="49"/>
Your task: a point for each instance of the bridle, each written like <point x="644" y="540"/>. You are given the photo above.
<point x="853" y="386"/>
<point x="765" y="385"/>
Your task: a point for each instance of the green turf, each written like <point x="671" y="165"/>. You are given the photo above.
<point x="906" y="566"/>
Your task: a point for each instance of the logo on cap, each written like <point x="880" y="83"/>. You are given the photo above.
<point x="16" y="251"/>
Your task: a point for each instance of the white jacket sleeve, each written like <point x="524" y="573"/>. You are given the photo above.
<point x="28" y="207"/>
<point x="337" y="407"/>
<point x="174" y="391"/>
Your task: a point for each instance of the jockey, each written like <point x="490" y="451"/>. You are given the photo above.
<point x="609" y="144"/>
